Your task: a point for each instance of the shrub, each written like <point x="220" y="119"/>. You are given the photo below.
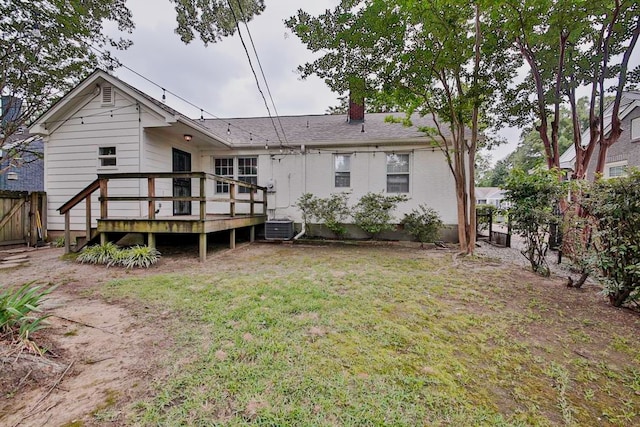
<point x="58" y="242"/>
<point x="308" y="205"/>
<point x="423" y="224"/>
<point x="532" y="198"/>
<point x="16" y="308"/>
<point x="614" y="208"/>
<point x="331" y="211"/>
<point x="372" y="213"/>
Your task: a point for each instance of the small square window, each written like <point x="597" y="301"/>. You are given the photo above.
<point x="342" y="166"/>
<point x="107" y="157"/>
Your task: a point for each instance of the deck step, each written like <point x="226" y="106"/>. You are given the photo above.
<point x="82" y="241"/>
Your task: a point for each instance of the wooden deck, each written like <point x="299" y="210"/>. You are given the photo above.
<point x="202" y="224"/>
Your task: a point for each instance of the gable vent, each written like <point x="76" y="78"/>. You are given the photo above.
<point x="108" y="97"/>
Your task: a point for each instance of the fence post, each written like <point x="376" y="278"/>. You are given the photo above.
<point x="67" y="232"/>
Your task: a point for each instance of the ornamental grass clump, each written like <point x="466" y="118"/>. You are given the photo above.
<point x="138" y="256"/>
<point x="16" y="313"/>
<point x="99" y="254"/>
<point x="111" y="255"/>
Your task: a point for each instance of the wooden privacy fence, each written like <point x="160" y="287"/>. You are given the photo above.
<point x="22" y="217"/>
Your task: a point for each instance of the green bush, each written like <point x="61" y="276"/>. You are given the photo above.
<point x="532" y="198"/>
<point x="308" y="205"/>
<point x="16" y="308"/>
<point x="423" y="224"/>
<point x="110" y="254"/>
<point x="372" y="213"/>
<point x="332" y="211"/>
<point x="614" y="208"/>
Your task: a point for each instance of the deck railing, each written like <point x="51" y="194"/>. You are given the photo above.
<point x="102" y="184"/>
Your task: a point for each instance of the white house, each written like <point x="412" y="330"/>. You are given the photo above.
<point x="107" y="126"/>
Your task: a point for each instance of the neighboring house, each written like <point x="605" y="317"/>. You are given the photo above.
<point x="490" y="196"/>
<point x="23" y="170"/>
<point x="625" y="152"/>
<point x="105" y="125"/>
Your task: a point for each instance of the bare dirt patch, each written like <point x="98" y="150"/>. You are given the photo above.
<point x="104" y="355"/>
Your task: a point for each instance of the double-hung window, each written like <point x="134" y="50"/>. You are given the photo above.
<point x="247" y="172"/>
<point x="616" y="170"/>
<point x="342" y="166"/>
<point x="635" y="129"/>
<point x="397" y="173"/>
<point x="107" y="157"/>
<point x="223" y="167"/>
<point x="240" y="168"/>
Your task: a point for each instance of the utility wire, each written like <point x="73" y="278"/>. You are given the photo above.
<point x="266" y="83"/>
<point x="251" y="134"/>
<point x="244" y="45"/>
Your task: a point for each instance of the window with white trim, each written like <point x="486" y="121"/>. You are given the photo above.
<point x="397" y="173"/>
<point x="247" y="172"/>
<point x="243" y="169"/>
<point x="342" y="167"/>
<point x="635" y="129"/>
<point x="107" y="157"/>
<point x="223" y="167"/>
<point x="616" y="170"/>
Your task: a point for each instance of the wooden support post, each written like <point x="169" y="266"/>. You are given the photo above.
<point x="203" y="198"/>
<point x="252" y="233"/>
<point x="103" y="238"/>
<point x="104" y="211"/>
<point x="151" y="183"/>
<point x="232" y="238"/>
<point x="203" y="247"/>
<point x="88" y="217"/>
<point x="67" y="232"/>
<point x="232" y="199"/>
<point x="151" y="240"/>
<point x="252" y="199"/>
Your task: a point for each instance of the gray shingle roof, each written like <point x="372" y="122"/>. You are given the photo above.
<point x="322" y="130"/>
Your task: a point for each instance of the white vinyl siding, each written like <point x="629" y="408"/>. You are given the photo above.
<point x="397" y="173"/>
<point x="72" y="158"/>
<point x="342" y="172"/>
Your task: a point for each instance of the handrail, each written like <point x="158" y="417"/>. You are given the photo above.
<point x="86" y="192"/>
<point x="160" y="175"/>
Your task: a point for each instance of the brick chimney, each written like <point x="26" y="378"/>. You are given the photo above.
<point x="356" y="101"/>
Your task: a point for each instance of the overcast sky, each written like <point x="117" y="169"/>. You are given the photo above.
<point x="218" y="78"/>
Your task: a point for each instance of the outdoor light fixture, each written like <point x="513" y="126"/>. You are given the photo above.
<point x="187" y="137"/>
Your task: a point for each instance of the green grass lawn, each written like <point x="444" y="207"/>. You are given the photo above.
<point x="383" y="336"/>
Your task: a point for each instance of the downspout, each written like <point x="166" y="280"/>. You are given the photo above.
<point x="304" y="187"/>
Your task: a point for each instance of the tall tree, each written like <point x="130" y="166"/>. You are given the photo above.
<point x="567" y="44"/>
<point x="427" y="57"/>
<point x="46" y="47"/>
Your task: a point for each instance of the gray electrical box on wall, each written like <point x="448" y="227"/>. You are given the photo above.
<point x="278" y="229"/>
